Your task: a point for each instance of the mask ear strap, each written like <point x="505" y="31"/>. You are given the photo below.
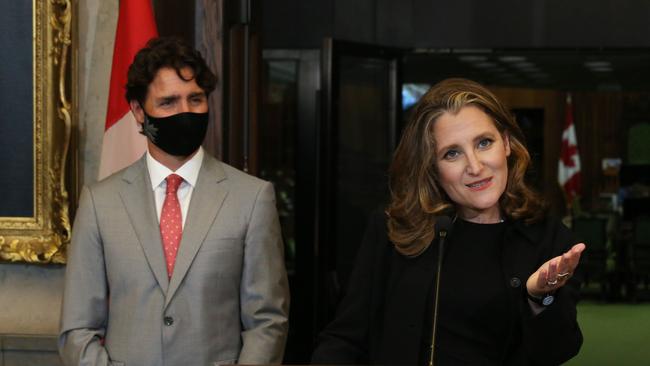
<point x="148" y="129"/>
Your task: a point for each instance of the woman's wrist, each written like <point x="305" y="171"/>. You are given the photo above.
<point x="544" y="299"/>
<point x="536" y="294"/>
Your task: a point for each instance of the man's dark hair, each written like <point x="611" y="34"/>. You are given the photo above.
<point x="163" y="52"/>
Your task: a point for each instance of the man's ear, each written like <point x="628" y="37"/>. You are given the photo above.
<point x="137" y="111"/>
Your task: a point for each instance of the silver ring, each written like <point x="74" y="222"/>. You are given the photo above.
<point x="552" y="283"/>
<point x="565" y="274"/>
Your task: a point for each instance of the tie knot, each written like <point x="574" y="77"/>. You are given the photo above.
<point x="173" y="182"/>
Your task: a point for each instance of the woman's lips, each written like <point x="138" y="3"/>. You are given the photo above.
<point x="480" y="184"/>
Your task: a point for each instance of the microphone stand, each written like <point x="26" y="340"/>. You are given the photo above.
<point x="441" y="242"/>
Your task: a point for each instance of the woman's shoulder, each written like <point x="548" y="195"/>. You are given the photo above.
<point x="549" y="230"/>
<point x="377" y="224"/>
<point x="376" y="233"/>
<point x="545" y="223"/>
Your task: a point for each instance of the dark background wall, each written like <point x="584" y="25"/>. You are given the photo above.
<point x="458" y="23"/>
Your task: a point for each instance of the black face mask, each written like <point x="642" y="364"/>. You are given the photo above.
<point x="179" y="134"/>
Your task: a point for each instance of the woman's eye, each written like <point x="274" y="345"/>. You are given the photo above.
<point x="485" y="143"/>
<point x="451" y="154"/>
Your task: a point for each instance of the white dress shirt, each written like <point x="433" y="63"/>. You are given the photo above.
<point x="188" y="171"/>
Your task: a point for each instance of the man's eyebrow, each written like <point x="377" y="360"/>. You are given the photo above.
<point x="169" y="98"/>
<point x="197" y="94"/>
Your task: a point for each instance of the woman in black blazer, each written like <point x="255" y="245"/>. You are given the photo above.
<point x="507" y="291"/>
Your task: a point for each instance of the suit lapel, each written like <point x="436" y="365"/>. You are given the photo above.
<point x="207" y="198"/>
<point x="137" y="197"/>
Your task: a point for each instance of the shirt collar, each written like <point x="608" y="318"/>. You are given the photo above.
<point x="188" y="171"/>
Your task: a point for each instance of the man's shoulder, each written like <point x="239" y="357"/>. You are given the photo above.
<point x="236" y="177"/>
<point x="113" y="181"/>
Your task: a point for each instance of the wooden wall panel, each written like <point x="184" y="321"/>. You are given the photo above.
<point x="175" y="18"/>
<point x="601" y="134"/>
<point x="600" y="130"/>
<point x="552" y="102"/>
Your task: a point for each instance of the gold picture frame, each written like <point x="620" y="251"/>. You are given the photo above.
<point x="43" y="237"/>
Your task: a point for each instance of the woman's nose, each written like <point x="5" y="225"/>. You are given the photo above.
<point x="474" y="165"/>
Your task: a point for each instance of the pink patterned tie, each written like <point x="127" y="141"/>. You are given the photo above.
<point x="171" y="222"/>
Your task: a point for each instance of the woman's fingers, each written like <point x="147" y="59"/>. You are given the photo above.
<point x="554" y="273"/>
<point x="542" y="276"/>
<point x="570" y="260"/>
<point x="578" y="248"/>
<point x="561" y="268"/>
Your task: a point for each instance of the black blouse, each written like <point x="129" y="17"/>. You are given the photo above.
<point x="472" y="315"/>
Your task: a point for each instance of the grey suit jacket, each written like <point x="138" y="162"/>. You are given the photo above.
<point x="227" y="300"/>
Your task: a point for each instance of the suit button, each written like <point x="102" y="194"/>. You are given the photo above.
<point x="515" y="282"/>
<point x="168" y="320"/>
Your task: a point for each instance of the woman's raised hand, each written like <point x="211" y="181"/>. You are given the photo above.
<point x="555" y="272"/>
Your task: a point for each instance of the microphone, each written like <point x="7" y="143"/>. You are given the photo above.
<point x="443" y="227"/>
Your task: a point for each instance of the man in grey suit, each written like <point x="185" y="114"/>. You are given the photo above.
<point x="177" y="259"/>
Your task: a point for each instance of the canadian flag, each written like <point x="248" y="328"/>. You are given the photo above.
<point x="123" y="144"/>
<point x="568" y="171"/>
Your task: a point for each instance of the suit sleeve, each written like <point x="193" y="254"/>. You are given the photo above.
<point x="85" y="299"/>
<point x="264" y="293"/>
<point x="553" y="336"/>
<point x="346" y="339"/>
